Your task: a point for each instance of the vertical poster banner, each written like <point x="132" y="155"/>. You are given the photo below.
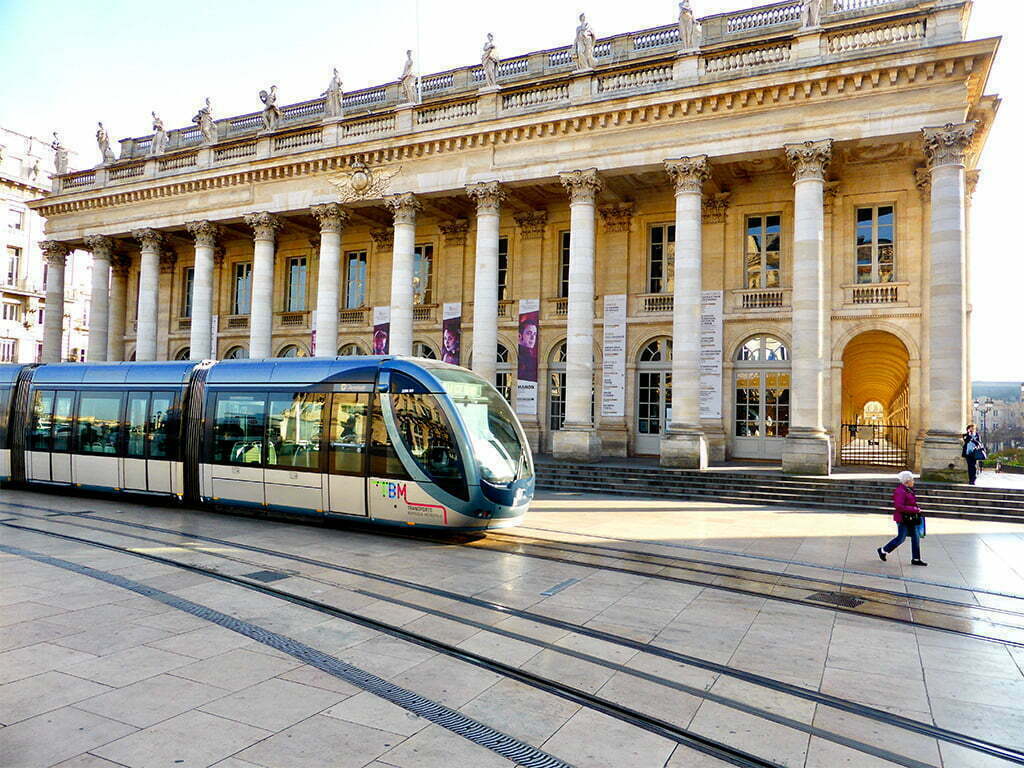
<point x="381" y="330"/>
<point x="711" y="309"/>
<point x="451" y="332"/>
<point x="613" y="384"/>
<point x="312" y="334"/>
<point x="214" y="330"/>
<point x="526" y="375"/>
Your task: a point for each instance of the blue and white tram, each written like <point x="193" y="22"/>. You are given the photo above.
<point x="389" y="440"/>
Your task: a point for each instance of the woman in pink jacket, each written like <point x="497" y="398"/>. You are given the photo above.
<point x="908" y="519"/>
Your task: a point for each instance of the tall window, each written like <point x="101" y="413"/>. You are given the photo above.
<point x="238" y="428"/>
<point x="661" y="259"/>
<point x="295" y="295"/>
<point x="876" y="244"/>
<point x="188" y="278"/>
<point x="8" y="350"/>
<point x="502" y="268"/>
<point x="422" y="275"/>
<point x="355" y="279"/>
<point x="563" y="264"/>
<point x="11" y="311"/>
<point x="504" y="373"/>
<point x="556" y="387"/>
<point x="293" y="432"/>
<point x="242" y="301"/>
<point x="764" y="251"/>
<point x="13" y="265"/>
<point x="16" y="218"/>
<point x="99" y="422"/>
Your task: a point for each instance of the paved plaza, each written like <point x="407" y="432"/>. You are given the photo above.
<point x="690" y="614"/>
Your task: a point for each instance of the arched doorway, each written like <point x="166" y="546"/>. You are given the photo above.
<point x="653" y="394"/>
<point x="185" y="353"/>
<point x="762" y="383"/>
<point x="237" y="353"/>
<point x="350" y="350"/>
<point x="291" y="350"/>
<point x="876" y="401"/>
<point x="424" y="350"/>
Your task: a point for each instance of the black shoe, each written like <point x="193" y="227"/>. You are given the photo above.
<point x="881" y="554"/>
<point x="918" y="562"/>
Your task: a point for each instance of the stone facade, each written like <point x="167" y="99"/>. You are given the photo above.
<point x="817" y="176"/>
<point x="25" y="168"/>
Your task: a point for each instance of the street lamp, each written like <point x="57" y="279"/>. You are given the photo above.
<point x="984" y="407"/>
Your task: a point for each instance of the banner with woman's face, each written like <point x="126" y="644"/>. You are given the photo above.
<point x="381" y="330"/>
<point x="529" y="337"/>
<point x="451" y="332"/>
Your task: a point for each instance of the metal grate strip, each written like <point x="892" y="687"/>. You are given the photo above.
<point x="511" y="748"/>
<point x="836" y="598"/>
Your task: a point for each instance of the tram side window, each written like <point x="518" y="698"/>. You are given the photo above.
<point x="63" y="412"/>
<point x="427" y="435"/>
<point x="384" y="462"/>
<point x="135" y="424"/>
<point x="294" y="429"/>
<point x="99" y="422"/>
<point x="5" y="399"/>
<point x="42" y="420"/>
<point x="238" y="428"/>
<point x="163" y="426"/>
<point x="347" y="433"/>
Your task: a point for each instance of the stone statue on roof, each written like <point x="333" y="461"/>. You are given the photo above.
<point x="103" y="141"/>
<point x="334" y="97"/>
<point x="159" y="143"/>
<point x="489" y="62"/>
<point x="204" y="119"/>
<point x="583" y="47"/>
<point x="60" y="155"/>
<point x="271" y="112"/>
<point x="689" y="27"/>
<point x="407" y="82"/>
<point x="810" y="14"/>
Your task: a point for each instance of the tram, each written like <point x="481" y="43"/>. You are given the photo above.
<point x="388" y="440"/>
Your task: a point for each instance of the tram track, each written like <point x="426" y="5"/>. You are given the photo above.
<point x="807" y="694"/>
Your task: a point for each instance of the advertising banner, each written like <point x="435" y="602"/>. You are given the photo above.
<point x="381" y="330"/>
<point x="526" y="379"/>
<point x="312" y="334"/>
<point x="451" y="332"/>
<point x="613" y="387"/>
<point x="711" y="354"/>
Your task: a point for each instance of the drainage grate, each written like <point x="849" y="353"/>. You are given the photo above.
<point x="836" y="598"/>
<point x="559" y="587"/>
<point x="265" y="576"/>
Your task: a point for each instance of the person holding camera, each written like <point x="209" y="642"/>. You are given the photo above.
<point x="974" y="451"/>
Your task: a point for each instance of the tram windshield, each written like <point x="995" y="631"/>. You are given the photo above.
<point x="498" y="445"/>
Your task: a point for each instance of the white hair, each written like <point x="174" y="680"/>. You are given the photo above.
<point x="905" y="476"/>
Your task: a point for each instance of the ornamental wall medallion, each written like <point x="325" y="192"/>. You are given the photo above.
<point x="360" y="182"/>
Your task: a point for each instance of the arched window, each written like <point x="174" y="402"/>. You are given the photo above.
<point x="504" y="374"/>
<point x="556" y="387"/>
<point x="237" y="353"/>
<point x="653" y="394"/>
<point x="291" y="350"/>
<point x="762" y="388"/>
<point x="422" y="349"/>
<point x="184" y="353"/>
<point x="350" y="350"/>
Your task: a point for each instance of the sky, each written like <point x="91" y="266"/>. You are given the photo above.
<point x="64" y="64"/>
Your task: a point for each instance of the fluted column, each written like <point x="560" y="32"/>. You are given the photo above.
<point x="332" y="218"/>
<point x="56" y="255"/>
<point x="684" y="444"/>
<point x="488" y="196"/>
<point x="808" y="448"/>
<point x="261" y="312"/>
<point x="577" y="440"/>
<point x="118" y="306"/>
<point x="102" y="248"/>
<point x="405" y="207"/>
<point x="946" y="148"/>
<point x="150" y="242"/>
<point x="200" y="341"/>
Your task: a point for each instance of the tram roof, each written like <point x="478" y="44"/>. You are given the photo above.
<point x="303" y="370"/>
<point x="171" y="372"/>
<point x="9" y="372"/>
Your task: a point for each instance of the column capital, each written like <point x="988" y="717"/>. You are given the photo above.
<point x="923" y="180"/>
<point x="206" y="233"/>
<point x="714" y="207"/>
<point x="489" y="195"/>
<point x="404" y="205"/>
<point x="149" y="239"/>
<point x="582" y="186"/>
<point x="949" y="144"/>
<point x="617" y="217"/>
<point x="264" y="225"/>
<point x="383" y="239"/>
<point x="810" y="159"/>
<point x="55" y="252"/>
<point x="454" y="231"/>
<point x="532" y="224"/>
<point x="102" y="247"/>
<point x="688" y="174"/>
<point x="331" y="217"/>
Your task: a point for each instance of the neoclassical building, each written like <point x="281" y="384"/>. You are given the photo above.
<point x="744" y="237"/>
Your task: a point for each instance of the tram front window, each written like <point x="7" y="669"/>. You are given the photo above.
<point x="498" y="444"/>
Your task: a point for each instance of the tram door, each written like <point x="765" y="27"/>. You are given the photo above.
<point x="293" y="479"/>
<point x="346" y="440"/>
<point x="147" y="463"/>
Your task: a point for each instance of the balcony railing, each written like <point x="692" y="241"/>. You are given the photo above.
<point x="875" y="293"/>
<point x="185" y="324"/>
<point x="655" y="304"/>
<point x="558" y="307"/>
<point x="299" y="319"/>
<point x="424" y="313"/>
<point x="761" y="299"/>
<point x="352" y="316"/>
<point x="237" y="322"/>
<point x="507" y="310"/>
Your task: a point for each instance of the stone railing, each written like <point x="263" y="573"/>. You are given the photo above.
<point x="761" y="298"/>
<point x="368" y="97"/>
<point x="352" y="316"/>
<point x="377" y="125"/>
<point x="127" y="171"/>
<point x="174" y="162"/>
<point x="655" y="303"/>
<point x="185" y="324"/>
<point x="81" y="179"/>
<point x="434" y="83"/>
<point x="236" y="322"/>
<point x="306" y="110"/>
<point x="297" y="319"/>
<point x="875" y="293"/>
<point x="423" y="313"/>
<point x="656" y="38"/>
<point x="507" y="310"/>
<point x="534" y="97"/>
<point x="299" y="139"/>
<point x="842" y="6"/>
<point x="749" y="59"/>
<point x="245" y="124"/>
<point x="446" y="112"/>
<point x="874" y="37"/>
<point x="634" y="78"/>
<point x="235" y="151"/>
<point x="558" y="307"/>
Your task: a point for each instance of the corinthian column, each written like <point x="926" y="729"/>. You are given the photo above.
<point x="151" y="242"/>
<point x="405" y="207"/>
<point x="332" y="218"/>
<point x="99" y="321"/>
<point x="118" y="305"/>
<point x="261" y="312"/>
<point x="808" y="449"/>
<point x="56" y="255"/>
<point x="684" y="444"/>
<point x="945" y="149"/>
<point x="488" y="196"/>
<point x="200" y="341"/>
<point x="578" y="440"/>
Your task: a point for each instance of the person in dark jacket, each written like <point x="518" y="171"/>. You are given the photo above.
<point x="908" y="519"/>
<point x="971" y="452"/>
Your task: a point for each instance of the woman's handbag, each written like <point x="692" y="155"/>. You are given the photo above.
<point x="980" y="453"/>
<point x="912" y="520"/>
